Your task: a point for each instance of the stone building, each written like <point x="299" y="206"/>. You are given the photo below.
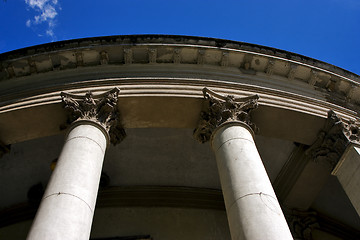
<point x="173" y="137"/>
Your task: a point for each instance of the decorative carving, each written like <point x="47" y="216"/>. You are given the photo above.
<point x="351" y="131"/>
<point x="333" y="140"/>
<point x="79" y="59"/>
<point x="314" y="77"/>
<point x="55" y="61"/>
<point x="302" y="224"/>
<point x="218" y="109"/>
<point x="128" y="56"/>
<point x="101" y="109"/>
<point x="247" y="61"/>
<point x="292" y="71"/>
<point x="104" y="58"/>
<point x="270" y="67"/>
<point x="331" y="82"/>
<point x="225" y="59"/>
<point x="201" y="56"/>
<point x="10" y="71"/>
<point x="152" y="55"/>
<point x="177" y="56"/>
<point x="351" y="93"/>
<point x="32" y="66"/>
<point x="246" y="65"/>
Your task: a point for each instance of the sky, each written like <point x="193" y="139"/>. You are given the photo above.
<point x="327" y="30"/>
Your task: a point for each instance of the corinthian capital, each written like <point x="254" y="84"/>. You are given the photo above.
<point x="333" y="140"/>
<point x="302" y="224"/>
<point x="219" y="109"/>
<point x="101" y="109"/>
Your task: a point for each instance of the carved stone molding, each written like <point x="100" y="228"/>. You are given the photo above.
<point x="224" y="59"/>
<point x="201" y="56"/>
<point x="104" y="58"/>
<point x="101" y="109"/>
<point x="32" y="66"/>
<point x="218" y="109"/>
<point x="333" y="140"/>
<point x="128" y="56"/>
<point x="270" y="67"/>
<point x="292" y="71"/>
<point x="79" y="59"/>
<point x="152" y="55"/>
<point x="314" y="77"/>
<point x="177" y="56"/>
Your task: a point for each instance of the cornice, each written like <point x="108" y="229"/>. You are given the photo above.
<point x="245" y="59"/>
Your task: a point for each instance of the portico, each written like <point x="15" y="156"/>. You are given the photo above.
<point x="161" y="182"/>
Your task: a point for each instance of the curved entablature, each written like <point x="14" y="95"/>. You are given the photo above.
<point x="149" y="68"/>
<point x="236" y="57"/>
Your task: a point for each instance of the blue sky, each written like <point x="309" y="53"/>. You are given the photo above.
<point x="328" y="30"/>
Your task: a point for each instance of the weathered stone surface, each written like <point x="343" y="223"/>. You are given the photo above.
<point x="218" y="109"/>
<point x="333" y="140"/>
<point x="250" y="200"/>
<point x="101" y="109"/>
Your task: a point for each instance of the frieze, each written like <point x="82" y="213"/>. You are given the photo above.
<point x="270" y="67"/>
<point x="104" y="58"/>
<point x="128" y="56"/>
<point x="224" y="59"/>
<point x="292" y="71"/>
<point x="314" y="77"/>
<point x="101" y="109"/>
<point x="201" y="56"/>
<point x="219" y="109"/>
<point x="32" y="66"/>
<point x="177" y="56"/>
<point x="152" y="55"/>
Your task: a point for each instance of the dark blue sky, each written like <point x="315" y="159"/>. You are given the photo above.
<point x="328" y="30"/>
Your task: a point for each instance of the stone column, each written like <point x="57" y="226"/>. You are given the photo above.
<point x="68" y="204"/>
<point x="251" y="205"/>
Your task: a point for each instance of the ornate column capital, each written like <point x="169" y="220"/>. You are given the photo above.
<point x="219" y="109"/>
<point x="302" y="224"/>
<point x="333" y="139"/>
<point x="101" y="109"/>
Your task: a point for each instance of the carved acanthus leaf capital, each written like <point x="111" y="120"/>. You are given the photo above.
<point x="333" y="140"/>
<point x="302" y="224"/>
<point x="219" y="109"/>
<point x="101" y="109"/>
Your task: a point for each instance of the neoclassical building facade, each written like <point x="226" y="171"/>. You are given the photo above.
<point x="176" y="137"/>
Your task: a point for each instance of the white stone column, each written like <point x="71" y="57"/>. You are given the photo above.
<point x="251" y="204"/>
<point x="68" y="204"/>
<point x="252" y="208"/>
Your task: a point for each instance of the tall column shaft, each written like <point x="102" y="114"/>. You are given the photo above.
<point x="251" y="204"/>
<point x="252" y="208"/>
<point x="67" y="208"/>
